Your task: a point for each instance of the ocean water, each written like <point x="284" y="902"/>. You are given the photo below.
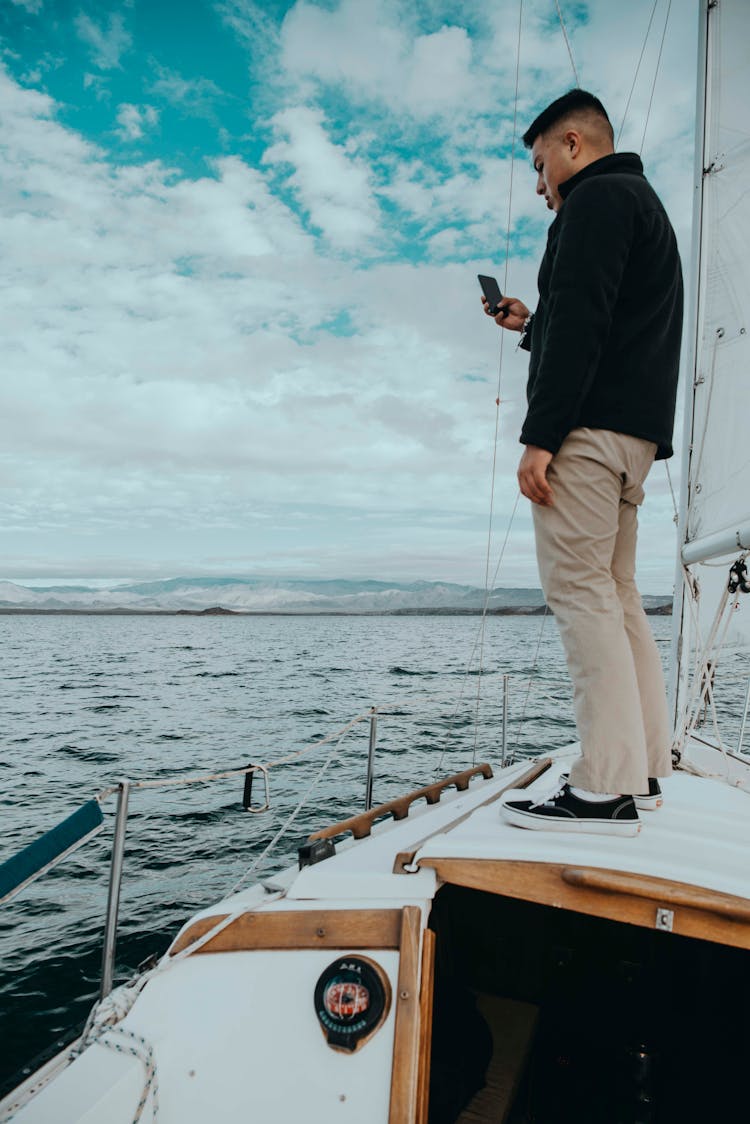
<point x="87" y="700"/>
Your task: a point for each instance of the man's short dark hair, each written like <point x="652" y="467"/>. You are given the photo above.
<point x="575" y="101"/>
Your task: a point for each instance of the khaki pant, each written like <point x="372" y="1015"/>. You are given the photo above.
<point x="586" y="553"/>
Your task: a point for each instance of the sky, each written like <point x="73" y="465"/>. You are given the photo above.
<point x="241" y="328"/>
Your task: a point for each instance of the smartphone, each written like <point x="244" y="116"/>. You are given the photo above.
<point x="491" y="290"/>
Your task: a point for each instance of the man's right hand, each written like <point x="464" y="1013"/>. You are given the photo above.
<point x="512" y="313"/>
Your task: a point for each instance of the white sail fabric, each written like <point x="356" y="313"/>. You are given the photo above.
<point x="719" y="496"/>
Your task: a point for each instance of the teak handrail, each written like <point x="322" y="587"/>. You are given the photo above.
<point x="636" y="899"/>
<point x="658" y="890"/>
<point x="361" y="825"/>
<point x="405" y="859"/>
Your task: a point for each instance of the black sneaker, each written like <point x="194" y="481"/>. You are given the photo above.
<point x="562" y="811"/>
<point x="647" y="801"/>
<point x="651" y="800"/>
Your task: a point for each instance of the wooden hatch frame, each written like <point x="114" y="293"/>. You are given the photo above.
<point x="352" y="930"/>
<point x="635" y="899"/>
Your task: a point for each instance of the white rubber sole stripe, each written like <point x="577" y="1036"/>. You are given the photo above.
<point x="648" y="803"/>
<point x="586" y="826"/>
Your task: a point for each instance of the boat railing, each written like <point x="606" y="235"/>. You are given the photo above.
<point x="55" y="845"/>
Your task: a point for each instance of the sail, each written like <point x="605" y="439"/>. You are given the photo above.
<point x="719" y="470"/>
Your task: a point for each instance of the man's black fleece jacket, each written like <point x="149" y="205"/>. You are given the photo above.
<point x="605" y="337"/>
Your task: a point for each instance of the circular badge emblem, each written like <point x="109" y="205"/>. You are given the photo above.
<point x="352" y="998"/>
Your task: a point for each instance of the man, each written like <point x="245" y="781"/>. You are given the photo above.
<point x="604" y="343"/>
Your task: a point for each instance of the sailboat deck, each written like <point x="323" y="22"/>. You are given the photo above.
<point x="700" y="836"/>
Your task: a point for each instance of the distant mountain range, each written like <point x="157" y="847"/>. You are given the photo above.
<point x="277" y="595"/>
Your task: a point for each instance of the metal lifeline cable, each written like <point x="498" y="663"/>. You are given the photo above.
<point x="637" y="69"/>
<point x="656" y="75"/>
<point x="567" y="42"/>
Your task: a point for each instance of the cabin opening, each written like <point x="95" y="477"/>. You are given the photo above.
<point x="549" y="1016"/>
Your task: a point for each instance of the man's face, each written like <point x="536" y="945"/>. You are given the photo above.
<point x="552" y="159"/>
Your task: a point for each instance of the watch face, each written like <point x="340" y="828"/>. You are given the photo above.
<point x="352" y="998"/>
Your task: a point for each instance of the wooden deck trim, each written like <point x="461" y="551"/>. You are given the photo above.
<point x="426" y="994"/>
<point x="361" y="824"/>
<point x="348" y="929"/>
<point x="634" y="899"/>
<point x="406" y="858"/>
<point x="406" y="1038"/>
<point x="667" y="893"/>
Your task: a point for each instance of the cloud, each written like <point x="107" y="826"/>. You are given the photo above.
<point x="172" y="329"/>
<point x="108" y="41"/>
<point x="251" y="21"/>
<point x="134" y="120"/>
<point x="291" y="353"/>
<point x="31" y="6"/>
<point x="367" y="48"/>
<point x="99" y="84"/>
<point x="196" y="96"/>
<point x="333" y="187"/>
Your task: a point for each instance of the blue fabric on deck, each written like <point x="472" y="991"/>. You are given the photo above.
<point x="48" y="847"/>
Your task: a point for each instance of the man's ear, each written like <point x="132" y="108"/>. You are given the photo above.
<point x="572" y="141"/>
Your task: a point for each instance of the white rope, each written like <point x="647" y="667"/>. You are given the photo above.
<point x="289" y="821"/>
<point x="567" y="43"/>
<point x="125" y="1041"/>
<point x="103" y="1021"/>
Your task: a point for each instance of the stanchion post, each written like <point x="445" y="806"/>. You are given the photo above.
<point x="115" y="880"/>
<point x="371" y="757"/>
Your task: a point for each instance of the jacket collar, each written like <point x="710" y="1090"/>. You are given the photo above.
<point x="615" y="162"/>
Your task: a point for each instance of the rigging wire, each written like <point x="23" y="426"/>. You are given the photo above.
<point x="528" y="686"/>
<point x="671" y="489"/>
<point x="567" y="43"/>
<point x="499" y="380"/>
<point x="505" y="285"/>
<point x="656" y="75"/>
<point x="481" y="634"/>
<point x="637" y="70"/>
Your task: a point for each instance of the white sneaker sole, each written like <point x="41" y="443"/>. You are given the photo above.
<point x="588" y="826"/>
<point x="648" y="803"/>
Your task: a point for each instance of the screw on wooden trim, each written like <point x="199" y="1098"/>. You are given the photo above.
<point x="404" y="994"/>
<point x="320" y="932"/>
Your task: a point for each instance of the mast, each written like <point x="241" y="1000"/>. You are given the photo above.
<point x="680" y="663"/>
<point x="715" y="503"/>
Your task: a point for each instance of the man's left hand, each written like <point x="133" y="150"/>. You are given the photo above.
<point x="532" y="475"/>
